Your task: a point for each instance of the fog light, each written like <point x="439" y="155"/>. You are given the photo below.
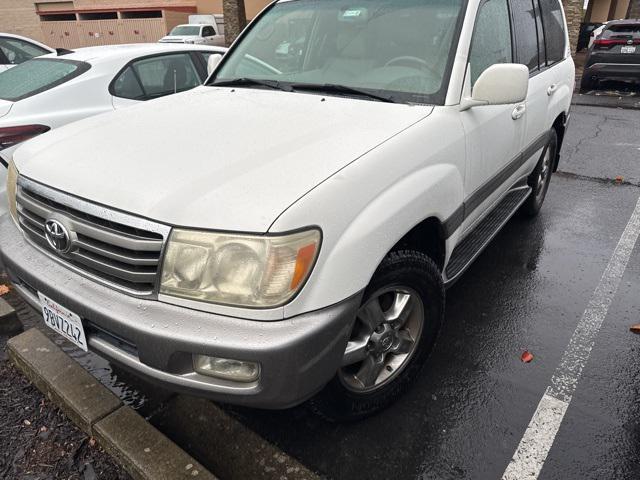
<point x="226" y="368"/>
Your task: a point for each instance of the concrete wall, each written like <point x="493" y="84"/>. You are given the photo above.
<point x="19" y="17"/>
<point x="601" y="9"/>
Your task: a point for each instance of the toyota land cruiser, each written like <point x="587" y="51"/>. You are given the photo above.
<point x="365" y="154"/>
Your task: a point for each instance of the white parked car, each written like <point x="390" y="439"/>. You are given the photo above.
<point x="196" y="34"/>
<point x="54" y="90"/>
<point x="287" y="232"/>
<point x="15" y="50"/>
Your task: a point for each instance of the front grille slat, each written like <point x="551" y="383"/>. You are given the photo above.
<point x="115" y="270"/>
<point x="109" y="246"/>
<point x="113" y="255"/>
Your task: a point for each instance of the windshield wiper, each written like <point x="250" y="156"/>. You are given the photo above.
<point x="248" y="82"/>
<point x="344" y="89"/>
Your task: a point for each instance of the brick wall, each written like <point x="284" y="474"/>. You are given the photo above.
<point x="574" y="12"/>
<point x="19" y="17"/>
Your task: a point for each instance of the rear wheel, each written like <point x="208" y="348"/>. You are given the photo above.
<point x="541" y="177"/>
<point x="588" y="84"/>
<point x="394" y="332"/>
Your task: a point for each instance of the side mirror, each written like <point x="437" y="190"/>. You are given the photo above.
<point x="213" y="62"/>
<point x="500" y="84"/>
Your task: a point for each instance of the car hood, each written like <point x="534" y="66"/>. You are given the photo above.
<point x="5" y="107"/>
<point x="179" y="38"/>
<point x="218" y="158"/>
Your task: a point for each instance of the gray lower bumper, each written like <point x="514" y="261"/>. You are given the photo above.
<point x="156" y="340"/>
<point x="613" y="70"/>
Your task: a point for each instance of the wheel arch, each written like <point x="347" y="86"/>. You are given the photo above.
<point x="427" y="237"/>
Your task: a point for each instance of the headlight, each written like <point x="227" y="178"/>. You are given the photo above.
<point x="12" y="186"/>
<point x="238" y="270"/>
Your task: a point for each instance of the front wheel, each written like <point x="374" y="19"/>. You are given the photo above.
<point x="541" y="177"/>
<point x="394" y="332"/>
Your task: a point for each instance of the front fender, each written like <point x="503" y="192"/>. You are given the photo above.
<point x="367" y="207"/>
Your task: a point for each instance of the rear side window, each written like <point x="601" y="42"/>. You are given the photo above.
<point x="625" y="30"/>
<point x="554" y="31"/>
<point x="37" y="76"/>
<point x="19" y="51"/>
<point x="156" y="77"/>
<point x="524" y="27"/>
<point x="491" y="42"/>
<point x="208" y="32"/>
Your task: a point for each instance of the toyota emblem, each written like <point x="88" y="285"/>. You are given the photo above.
<point x="57" y="236"/>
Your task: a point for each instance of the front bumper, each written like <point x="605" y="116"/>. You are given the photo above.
<point x="298" y="356"/>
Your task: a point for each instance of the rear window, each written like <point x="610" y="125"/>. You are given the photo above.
<point x="185" y="30"/>
<point x="36" y="76"/>
<point x="630" y="30"/>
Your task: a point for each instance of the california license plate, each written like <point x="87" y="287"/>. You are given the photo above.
<point x="627" y="49"/>
<point x="63" y="321"/>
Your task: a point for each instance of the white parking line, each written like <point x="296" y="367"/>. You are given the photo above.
<point x="529" y="458"/>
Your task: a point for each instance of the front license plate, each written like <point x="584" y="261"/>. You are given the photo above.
<point x="63" y="321"/>
<point x="628" y="49"/>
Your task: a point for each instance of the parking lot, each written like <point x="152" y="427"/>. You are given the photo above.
<point x="528" y="291"/>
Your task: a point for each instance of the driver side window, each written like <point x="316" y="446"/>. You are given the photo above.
<point x="491" y="41"/>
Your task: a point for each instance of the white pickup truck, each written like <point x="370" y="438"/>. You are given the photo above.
<point x="287" y="231"/>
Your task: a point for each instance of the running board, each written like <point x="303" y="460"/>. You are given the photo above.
<point x="474" y="243"/>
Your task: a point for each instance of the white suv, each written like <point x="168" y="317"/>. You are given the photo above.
<point x="287" y="232"/>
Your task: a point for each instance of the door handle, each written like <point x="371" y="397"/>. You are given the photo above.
<point x="519" y="111"/>
<point x="552" y="88"/>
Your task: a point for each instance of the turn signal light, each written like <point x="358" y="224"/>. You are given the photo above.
<point x="10" y="136"/>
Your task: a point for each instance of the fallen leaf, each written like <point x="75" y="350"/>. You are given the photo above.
<point x="635" y="329"/>
<point x="526" y="357"/>
<point x="4" y="289"/>
<point x="92" y="442"/>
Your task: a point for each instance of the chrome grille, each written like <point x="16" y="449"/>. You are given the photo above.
<point x="107" y="245"/>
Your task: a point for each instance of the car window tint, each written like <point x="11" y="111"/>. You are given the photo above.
<point x="553" y="23"/>
<point x="524" y="27"/>
<point x="208" y="32"/>
<point x="127" y="86"/>
<point x="37" y="76"/>
<point x="624" y="30"/>
<point x="167" y="74"/>
<point x="18" y="51"/>
<point x="491" y="38"/>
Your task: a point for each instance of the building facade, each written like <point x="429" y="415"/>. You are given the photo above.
<point x="82" y="23"/>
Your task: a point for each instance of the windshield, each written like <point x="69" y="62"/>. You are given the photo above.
<point x="36" y="76"/>
<point x="185" y="30"/>
<point x="402" y="48"/>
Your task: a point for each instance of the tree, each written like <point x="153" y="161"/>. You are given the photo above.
<point x="235" y="19"/>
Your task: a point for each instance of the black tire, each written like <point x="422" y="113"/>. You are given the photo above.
<point x="412" y="269"/>
<point x="531" y="207"/>
<point x="588" y="84"/>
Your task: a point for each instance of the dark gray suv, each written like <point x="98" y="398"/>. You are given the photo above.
<point x="615" y="55"/>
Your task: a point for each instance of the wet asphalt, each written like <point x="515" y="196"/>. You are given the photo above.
<point x="467" y="413"/>
<point x="465" y="416"/>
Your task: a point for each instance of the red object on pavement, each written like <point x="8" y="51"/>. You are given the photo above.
<point x="526" y="357"/>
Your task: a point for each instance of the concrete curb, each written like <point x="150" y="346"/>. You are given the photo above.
<point x="607" y="101"/>
<point x="144" y="452"/>
<point x="233" y="451"/>
<point x="9" y="321"/>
